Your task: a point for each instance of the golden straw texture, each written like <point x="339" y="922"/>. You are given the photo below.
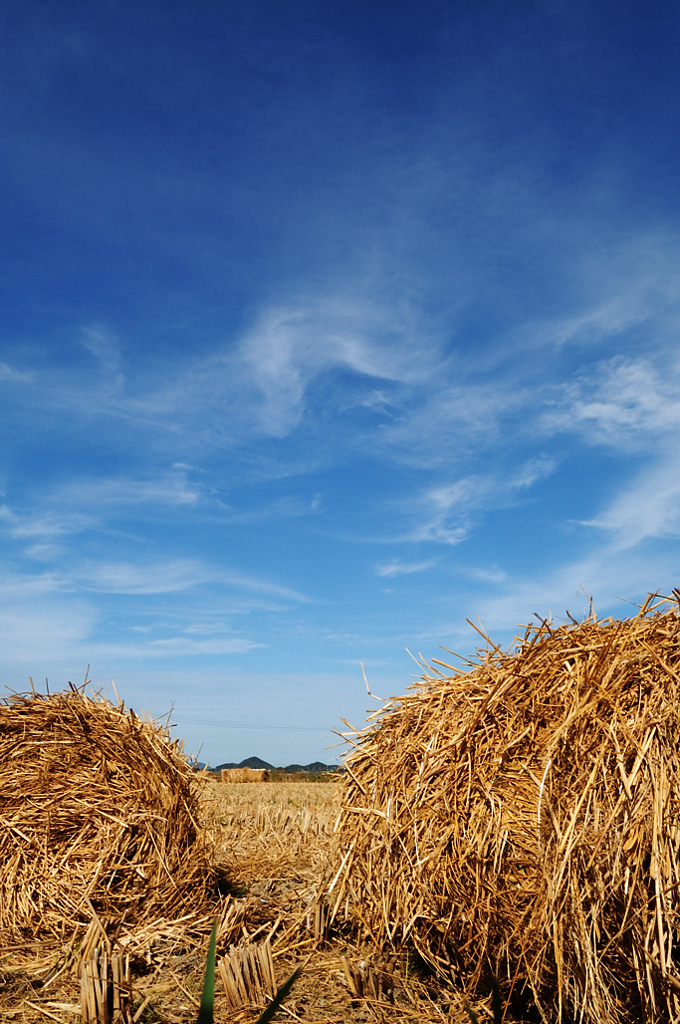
<point x="522" y="819"/>
<point x="98" y="816"/>
<point x="244" y="775"/>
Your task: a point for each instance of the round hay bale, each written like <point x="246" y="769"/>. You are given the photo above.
<point x="98" y="816"/>
<point x="522" y="820"/>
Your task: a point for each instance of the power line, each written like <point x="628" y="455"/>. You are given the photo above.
<point x="250" y="725"/>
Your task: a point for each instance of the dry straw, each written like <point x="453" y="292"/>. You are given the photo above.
<point x="244" y="775"/>
<point x="522" y="819"/>
<point x="248" y="976"/>
<point x="98" y="820"/>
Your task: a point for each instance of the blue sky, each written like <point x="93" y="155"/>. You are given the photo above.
<point x="324" y="328"/>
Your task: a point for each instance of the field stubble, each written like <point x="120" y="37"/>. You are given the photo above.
<point x="272" y="843"/>
<point x="275" y="841"/>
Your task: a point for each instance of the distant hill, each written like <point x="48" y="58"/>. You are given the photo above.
<point x="315" y="768"/>
<point x="250" y="762"/>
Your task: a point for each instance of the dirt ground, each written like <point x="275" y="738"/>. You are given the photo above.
<point x="273" y="841"/>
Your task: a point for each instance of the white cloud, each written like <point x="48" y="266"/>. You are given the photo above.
<point x="175" y="646"/>
<point x="103" y="345"/>
<point x="172" y="577"/>
<point x="125" y="578"/>
<point x="533" y="471"/>
<point x="469" y="422"/>
<point x="604" y="575"/>
<point x="492" y="575"/>
<point x="621" y="403"/>
<point x="39" y="628"/>
<point x="602" y="322"/>
<point x="289" y="507"/>
<point x="77" y="506"/>
<point x="262" y="586"/>
<point x="289" y="347"/>
<point x="184" y="645"/>
<point x="43" y="552"/>
<point x="43" y="618"/>
<point x="9" y="374"/>
<point x="648" y="507"/>
<point x="444" y="424"/>
<point x="257" y="384"/>
<point x="15" y="586"/>
<point x="169" y="577"/>
<point x="168" y="489"/>
<point x="445" y="511"/>
<point x="379" y="401"/>
<point x="43" y="524"/>
<point x="398" y="568"/>
<point x="50" y="632"/>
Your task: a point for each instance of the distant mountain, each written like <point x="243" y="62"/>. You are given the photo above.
<point x="250" y="762"/>
<point x="315" y="768"/>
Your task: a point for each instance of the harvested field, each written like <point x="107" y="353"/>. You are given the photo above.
<point x="519" y="819"/>
<point x="261" y="830"/>
<point x="276" y="842"/>
<point x="273" y="842"/>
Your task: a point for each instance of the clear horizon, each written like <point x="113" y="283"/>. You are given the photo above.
<point x="326" y="328"/>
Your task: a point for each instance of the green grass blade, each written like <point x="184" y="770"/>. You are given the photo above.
<point x="205" y="1011"/>
<point x="279" y="997"/>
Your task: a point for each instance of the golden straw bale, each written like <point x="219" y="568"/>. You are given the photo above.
<point x="521" y="819"/>
<point x="244" y="775"/>
<point x="98" y="814"/>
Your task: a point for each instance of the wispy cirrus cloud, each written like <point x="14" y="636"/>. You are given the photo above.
<point x="259" y="586"/>
<point x="433" y="403"/>
<point x="593" y="326"/>
<point x="448" y="512"/>
<point x="174" y="576"/>
<point x="164" y="489"/>
<point x="446" y="424"/>
<point x="43" y="629"/>
<point x="258" y="384"/>
<point x="399" y="568"/>
<point x="170" y="576"/>
<point x="58" y="616"/>
<point x="16" y="585"/>
<point x="174" y="646"/>
<point x="602" y="574"/>
<point x="8" y="373"/>
<point x="85" y="504"/>
<point x="290" y="506"/>
<point x="647" y="507"/>
<point x="187" y="646"/>
<point x="42" y="524"/>
<point x="35" y="626"/>
<point x="288" y="348"/>
<point x="622" y="403"/>
<point x="139" y="578"/>
<point x="102" y="343"/>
